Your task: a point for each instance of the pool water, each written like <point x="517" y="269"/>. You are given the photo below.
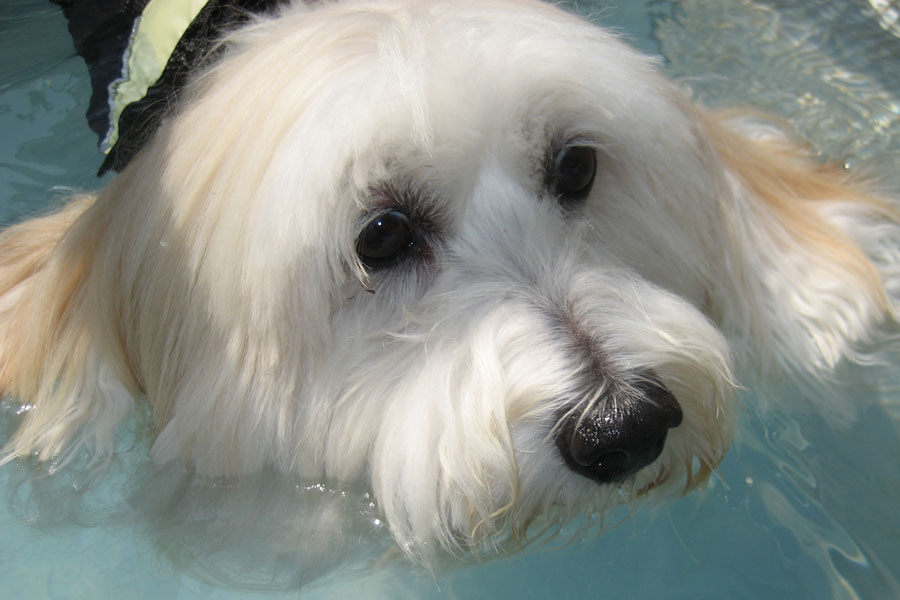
<point x="805" y="506"/>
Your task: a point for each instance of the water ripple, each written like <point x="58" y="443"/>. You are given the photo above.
<point x="824" y="65"/>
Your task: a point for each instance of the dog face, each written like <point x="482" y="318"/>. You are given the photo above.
<point x="445" y="267"/>
<point x="480" y="255"/>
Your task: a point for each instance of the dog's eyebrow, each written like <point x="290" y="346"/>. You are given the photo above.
<point x="415" y="199"/>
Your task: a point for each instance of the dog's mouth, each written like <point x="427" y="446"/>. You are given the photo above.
<point x="614" y="438"/>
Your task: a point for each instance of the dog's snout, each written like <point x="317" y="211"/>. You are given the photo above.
<point x="613" y="440"/>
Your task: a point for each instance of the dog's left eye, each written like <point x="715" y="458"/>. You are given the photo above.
<point x="574" y="168"/>
<point x="385" y="239"/>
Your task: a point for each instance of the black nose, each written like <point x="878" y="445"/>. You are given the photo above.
<point x="615" y="439"/>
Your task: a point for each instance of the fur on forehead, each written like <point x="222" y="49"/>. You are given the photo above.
<point x="425" y="86"/>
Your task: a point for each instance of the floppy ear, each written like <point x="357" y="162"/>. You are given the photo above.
<point x="51" y="355"/>
<point x="811" y="264"/>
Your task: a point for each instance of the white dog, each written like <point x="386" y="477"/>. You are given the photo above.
<point x="476" y="254"/>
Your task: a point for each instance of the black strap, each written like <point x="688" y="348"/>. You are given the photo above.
<point x="101" y="30"/>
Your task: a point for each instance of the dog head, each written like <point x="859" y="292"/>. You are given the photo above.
<point x="479" y="254"/>
<point x="425" y="233"/>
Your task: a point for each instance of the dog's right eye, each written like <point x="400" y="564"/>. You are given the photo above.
<point x="385" y="239"/>
<point x="574" y="168"/>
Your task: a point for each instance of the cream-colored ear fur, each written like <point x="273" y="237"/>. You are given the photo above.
<point x="809" y="264"/>
<point x="50" y="354"/>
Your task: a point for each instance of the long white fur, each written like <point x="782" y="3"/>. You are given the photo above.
<point x="217" y="275"/>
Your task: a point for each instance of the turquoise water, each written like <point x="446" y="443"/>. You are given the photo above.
<point x="804" y="506"/>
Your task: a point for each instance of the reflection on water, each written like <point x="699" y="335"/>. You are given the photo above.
<point x="823" y="64"/>
<point x="888" y="14"/>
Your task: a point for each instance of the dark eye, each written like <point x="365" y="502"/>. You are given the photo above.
<point x="385" y="239"/>
<point x="573" y="172"/>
